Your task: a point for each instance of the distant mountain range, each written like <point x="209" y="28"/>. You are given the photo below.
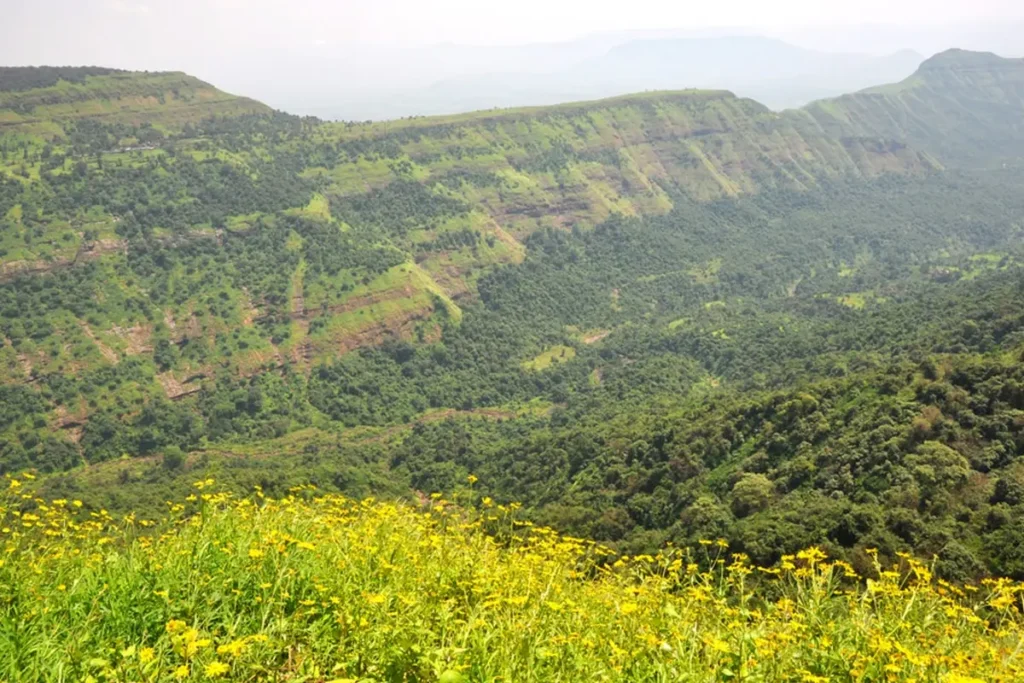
<point x="771" y="71"/>
<point x="317" y="71"/>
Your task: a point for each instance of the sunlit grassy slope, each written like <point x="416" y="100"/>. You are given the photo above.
<point x="331" y="589"/>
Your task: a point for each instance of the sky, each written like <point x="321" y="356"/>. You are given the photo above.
<point x="309" y="56"/>
<point x="150" y="31"/>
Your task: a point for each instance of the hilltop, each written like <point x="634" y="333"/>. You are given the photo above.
<point x="15" y="78"/>
<point x="41" y="101"/>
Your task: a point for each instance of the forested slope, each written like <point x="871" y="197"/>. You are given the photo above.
<point x="182" y="234"/>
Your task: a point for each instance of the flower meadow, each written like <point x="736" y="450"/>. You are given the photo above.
<point x="324" y="588"/>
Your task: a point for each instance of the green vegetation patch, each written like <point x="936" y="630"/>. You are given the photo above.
<point x="553" y="355"/>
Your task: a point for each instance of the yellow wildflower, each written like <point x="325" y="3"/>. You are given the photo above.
<point x="216" y="669"/>
<point x="175" y="626"/>
<point x="234" y="648"/>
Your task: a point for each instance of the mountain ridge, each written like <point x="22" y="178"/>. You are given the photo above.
<point x="959" y="58"/>
<point x="963" y="107"/>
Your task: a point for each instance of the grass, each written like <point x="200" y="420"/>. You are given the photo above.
<point x="422" y="279"/>
<point x="332" y="589"/>
<point x="856" y="300"/>
<point x="318" y="207"/>
<point x="978" y="264"/>
<point x="380" y="314"/>
<point x="391" y="304"/>
<point x="555" y="354"/>
<point x="588" y="336"/>
<point x="706" y="274"/>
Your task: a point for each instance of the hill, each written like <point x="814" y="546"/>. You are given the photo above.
<point x="40" y="101"/>
<point x="576" y="164"/>
<point x="963" y="107"/>
<point x="425" y="206"/>
<point x="641" y="418"/>
<point x="642" y="317"/>
<point x="329" y="587"/>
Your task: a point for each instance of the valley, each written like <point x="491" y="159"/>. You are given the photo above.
<point x="663" y="387"/>
<point x="621" y="313"/>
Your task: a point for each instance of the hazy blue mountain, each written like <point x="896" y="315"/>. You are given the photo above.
<point x="782" y="67"/>
<point x="771" y="71"/>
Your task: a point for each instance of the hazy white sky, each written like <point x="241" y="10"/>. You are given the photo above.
<point x="313" y="56"/>
<point x="77" y="30"/>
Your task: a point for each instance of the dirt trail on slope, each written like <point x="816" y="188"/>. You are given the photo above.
<point x="302" y="352"/>
<point x="105" y="350"/>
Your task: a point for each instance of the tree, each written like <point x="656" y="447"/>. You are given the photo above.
<point x="174" y="458"/>
<point x="164" y="354"/>
<point x="706" y="518"/>
<point x="751" y="494"/>
<point x="938" y="468"/>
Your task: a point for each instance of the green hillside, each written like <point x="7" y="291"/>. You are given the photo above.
<point x="647" y="318"/>
<point x="360" y="230"/>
